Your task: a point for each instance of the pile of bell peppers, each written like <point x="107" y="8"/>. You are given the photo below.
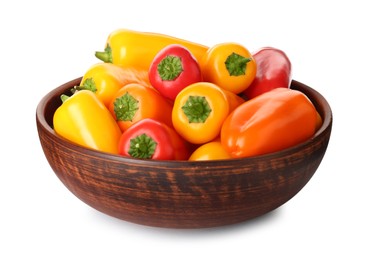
<point x="154" y="96"/>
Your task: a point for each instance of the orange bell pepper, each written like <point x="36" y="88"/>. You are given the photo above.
<point x="233" y="99"/>
<point x="134" y="102"/>
<point x="271" y="122"/>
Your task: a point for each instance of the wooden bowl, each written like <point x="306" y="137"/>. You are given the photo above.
<point x="182" y="194"/>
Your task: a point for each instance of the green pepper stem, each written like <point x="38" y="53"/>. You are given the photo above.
<point x="196" y="109"/>
<point x="64" y="97"/>
<point x="125" y="107"/>
<point x="236" y="64"/>
<point x="142" y="146"/>
<point x="88" y="84"/>
<point x="170" y="67"/>
<point x="106" y="55"/>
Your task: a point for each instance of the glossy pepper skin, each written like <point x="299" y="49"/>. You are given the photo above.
<point x="134" y="102"/>
<point x="271" y="122"/>
<point x="233" y="99"/>
<point x="152" y="139"/>
<point x="85" y="120"/>
<point x="274" y="70"/>
<point x="199" y="111"/>
<point x="210" y="151"/>
<point x="105" y="79"/>
<point x="230" y="66"/>
<point x="129" y="48"/>
<point x="173" y="69"/>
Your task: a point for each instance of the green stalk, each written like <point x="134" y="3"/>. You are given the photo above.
<point x="170" y="67"/>
<point x="196" y="109"/>
<point x="142" y="146"/>
<point x="64" y="97"/>
<point x="106" y="55"/>
<point x="88" y="84"/>
<point x="125" y="107"/>
<point x="236" y="64"/>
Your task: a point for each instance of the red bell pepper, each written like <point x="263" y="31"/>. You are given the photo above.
<point x="274" y="70"/>
<point x="152" y="139"/>
<point x="172" y="69"/>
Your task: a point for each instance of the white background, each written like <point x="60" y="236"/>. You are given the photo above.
<point x="46" y="43"/>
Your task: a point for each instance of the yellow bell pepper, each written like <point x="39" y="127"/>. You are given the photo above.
<point x="86" y="121"/>
<point x="210" y="151"/>
<point x="136" y="49"/>
<point x="105" y="79"/>
<point x="230" y="66"/>
<point x="199" y="111"/>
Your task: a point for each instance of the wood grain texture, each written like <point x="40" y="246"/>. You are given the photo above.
<point x="179" y="194"/>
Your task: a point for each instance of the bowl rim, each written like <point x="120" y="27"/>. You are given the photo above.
<point x="312" y="94"/>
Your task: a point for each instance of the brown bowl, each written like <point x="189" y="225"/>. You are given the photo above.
<point x="182" y="194"/>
